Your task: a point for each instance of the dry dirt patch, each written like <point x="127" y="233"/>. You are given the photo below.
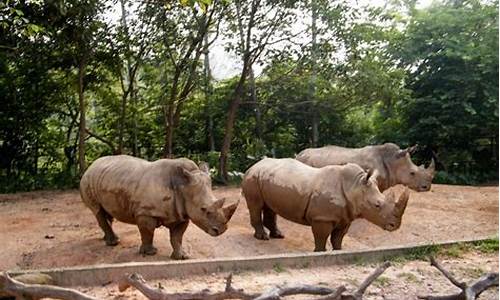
<point x="404" y="280"/>
<point x="53" y="229"/>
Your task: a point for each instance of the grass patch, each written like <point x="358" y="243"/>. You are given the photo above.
<point x="487" y="246"/>
<point x="382" y="281"/>
<point x="278" y="268"/>
<point x="408" y="277"/>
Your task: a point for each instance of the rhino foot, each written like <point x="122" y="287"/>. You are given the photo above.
<point x="111" y="241"/>
<point x="179" y="255"/>
<point x="276" y="235"/>
<point x="261" y="236"/>
<point x="147" y="250"/>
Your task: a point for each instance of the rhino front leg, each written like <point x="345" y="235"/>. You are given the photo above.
<point x="176" y="233"/>
<point x="321" y="230"/>
<point x="338" y="235"/>
<point x="147" y="226"/>
<point x="104" y="221"/>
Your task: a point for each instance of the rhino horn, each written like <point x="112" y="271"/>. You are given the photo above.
<point x="410" y="150"/>
<point x="204" y="167"/>
<point x="432" y="167"/>
<point x="230" y="209"/>
<point x="402" y="202"/>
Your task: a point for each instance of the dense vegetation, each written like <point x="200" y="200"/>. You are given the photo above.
<point x="76" y="84"/>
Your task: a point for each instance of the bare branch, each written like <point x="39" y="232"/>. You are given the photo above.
<point x="461" y="285"/>
<point x="102" y="139"/>
<point x="38" y="291"/>
<point x="469" y="291"/>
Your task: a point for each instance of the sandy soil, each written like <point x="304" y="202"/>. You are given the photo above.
<point x="53" y="228"/>
<point x="405" y="280"/>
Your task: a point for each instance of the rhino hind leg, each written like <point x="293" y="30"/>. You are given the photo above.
<point x="256" y="221"/>
<point x="104" y="220"/>
<point x="270" y="223"/>
<point x="337" y="236"/>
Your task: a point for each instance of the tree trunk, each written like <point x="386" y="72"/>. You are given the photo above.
<point x="82" y="133"/>
<point x="253" y="93"/>
<point x="169" y="131"/>
<point x="123" y="110"/>
<point x="208" y="93"/>
<point x="134" y="117"/>
<point x="231" y="117"/>
<point x="312" y="82"/>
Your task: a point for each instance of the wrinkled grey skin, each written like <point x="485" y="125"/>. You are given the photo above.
<point x="328" y="199"/>
<point x="391" y="164"/>
<point x="166" y="192"/>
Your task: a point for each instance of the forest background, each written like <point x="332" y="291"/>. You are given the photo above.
<point x="76" y="84"/>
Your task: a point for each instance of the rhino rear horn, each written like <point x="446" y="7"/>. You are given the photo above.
<point x="230" y="209"/>
<point x="432" y="167"/>
<point x="204" y="167"/>
<point x="410" y="150"/>
<point x="403" y="201"/>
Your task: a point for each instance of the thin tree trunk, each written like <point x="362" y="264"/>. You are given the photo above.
<point x="123" y="109"/>
<point x="82" y="132"/>
<point x="208" y="93"/>
<point x="134" y="117"/>
<point x="312" y="82"/>
<point x="231" y="117"/>
<point x="253" y="93"/>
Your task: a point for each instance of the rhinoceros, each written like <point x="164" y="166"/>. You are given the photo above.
<point x="328" y="199"/>
<point x="166" y="192"/>
<point x="392" y="164"/>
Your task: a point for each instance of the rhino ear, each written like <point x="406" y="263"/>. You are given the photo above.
<point x="181" y="176"/>
<point x="204" y="167"/>
<point x="412" y="149"/>
<point x="369" y="174"/>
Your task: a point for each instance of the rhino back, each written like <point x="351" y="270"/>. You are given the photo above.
<point x="285" y="185"/>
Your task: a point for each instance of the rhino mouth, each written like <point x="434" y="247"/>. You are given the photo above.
<point x="390" y="227"/>
<point x="216" y="231"/>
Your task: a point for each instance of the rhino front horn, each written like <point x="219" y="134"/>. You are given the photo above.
<point x="230" y="209"/>
<point x="403" y="201"/>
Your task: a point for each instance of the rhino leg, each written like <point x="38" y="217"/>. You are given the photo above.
<point x="147" y="226"/>
<point x="270" y="223"/>
<point x="337" y="236"/>
<point x="104" y="220"/>
<point x="256" y="221"/>
<point x="176" y="233"/>
<point x="321" y="230"/>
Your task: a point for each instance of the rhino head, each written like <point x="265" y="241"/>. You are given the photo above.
<point x="407" y="173"/>
<point x="203" y="209"/>
<point x="381" y="210"/>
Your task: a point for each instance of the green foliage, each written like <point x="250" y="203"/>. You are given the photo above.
<point x="403" y="75"/>
<point x="452" y="51"/>
<point x="487" y="246"/>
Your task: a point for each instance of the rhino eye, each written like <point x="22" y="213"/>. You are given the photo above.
<point x="204" y="209"/>
<point x="377" y="205"/>
<point x="412" y="173"/>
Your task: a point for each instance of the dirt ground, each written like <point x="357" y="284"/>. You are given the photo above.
<point x="48" y="229"/>
<point x="403" y="280"/>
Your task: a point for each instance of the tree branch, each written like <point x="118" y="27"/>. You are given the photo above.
<point x="102" y="139"/>
<point x="469" y="291"/>
<point x="37" y="291"/>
